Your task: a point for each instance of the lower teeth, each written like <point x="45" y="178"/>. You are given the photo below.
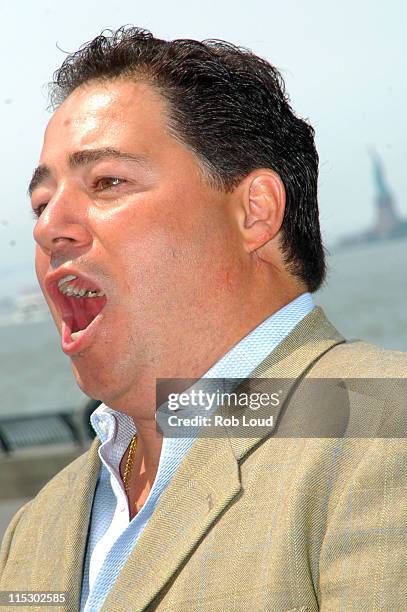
<point x="75" y="335"/>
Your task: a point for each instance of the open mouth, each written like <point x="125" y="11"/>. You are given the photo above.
<point x="80" y="303"/>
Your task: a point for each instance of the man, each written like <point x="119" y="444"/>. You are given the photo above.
<point x="178" y="238"/>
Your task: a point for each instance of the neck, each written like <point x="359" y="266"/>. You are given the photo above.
<point x="143" y="468"/>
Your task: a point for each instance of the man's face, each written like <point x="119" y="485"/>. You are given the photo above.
<point x="125" y="213"/>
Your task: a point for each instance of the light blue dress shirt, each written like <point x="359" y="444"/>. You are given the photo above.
<point x="115" y="431"/>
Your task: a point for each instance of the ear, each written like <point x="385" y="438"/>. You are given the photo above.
<point x="263" y="203"/>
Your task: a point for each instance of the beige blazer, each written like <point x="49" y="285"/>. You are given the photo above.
<point x="251" y="524"/>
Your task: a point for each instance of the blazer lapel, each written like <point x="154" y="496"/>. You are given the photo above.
<point x="208" y="480"/>
<point x="204" y="485"/>
<point x="287" y="364"/>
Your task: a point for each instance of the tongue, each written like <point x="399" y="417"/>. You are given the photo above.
<point x="84" y="310"/>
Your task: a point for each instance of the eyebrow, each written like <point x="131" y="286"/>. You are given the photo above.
<point x="83" y="158"/>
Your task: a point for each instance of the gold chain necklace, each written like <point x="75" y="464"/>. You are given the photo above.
<point x="129" y="464"/>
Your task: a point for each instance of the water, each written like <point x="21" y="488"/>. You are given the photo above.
<point x="365" y="297"/>
<point x="35" y="375"/>
<point x="366" y="293"/>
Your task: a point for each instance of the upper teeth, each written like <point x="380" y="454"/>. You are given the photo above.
<point x="72" y="291"/>
<point x="66" y="279"/>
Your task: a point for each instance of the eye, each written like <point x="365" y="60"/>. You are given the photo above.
<point x="38" y="210"/>
<point x="107" y="182"/>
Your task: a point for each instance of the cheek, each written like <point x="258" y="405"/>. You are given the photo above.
<point x="162" y="247"/>
<point x="144" y="241"/>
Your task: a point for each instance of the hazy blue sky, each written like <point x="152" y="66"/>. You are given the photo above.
<point x="343" y="62"/>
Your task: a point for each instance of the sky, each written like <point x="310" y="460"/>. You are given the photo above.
<point x="343" y="64"/>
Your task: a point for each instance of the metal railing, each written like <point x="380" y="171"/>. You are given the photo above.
<point x="66" y="427"/>
<point x="35" y="447"/>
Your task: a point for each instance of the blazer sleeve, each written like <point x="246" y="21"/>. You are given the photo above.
<point x="8" y="537"/>
<point x="363" y="555"/>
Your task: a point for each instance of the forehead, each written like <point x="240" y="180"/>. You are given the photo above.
<point x="118" y="113"/>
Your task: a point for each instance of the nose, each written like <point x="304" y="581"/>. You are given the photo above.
<point x="62" y="229"/>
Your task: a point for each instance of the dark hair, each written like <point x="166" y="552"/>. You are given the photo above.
<point x="230" y="107"/>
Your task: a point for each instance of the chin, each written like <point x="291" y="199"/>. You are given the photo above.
<point x="90" y="379"/>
